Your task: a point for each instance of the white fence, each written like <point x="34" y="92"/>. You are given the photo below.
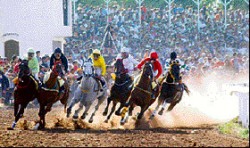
<point x="242" y="92"/>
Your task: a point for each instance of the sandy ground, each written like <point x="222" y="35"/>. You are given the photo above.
<point x="193" y="122"/>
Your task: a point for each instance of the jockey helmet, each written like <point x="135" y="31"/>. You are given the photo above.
<point x="173" y="55"/>
<point x="58" y="50"/>
<point x="30" y="50"/>
<point x="124" y="49"/>
<point x="96" y="51"/>
<point x="154" y="55"/>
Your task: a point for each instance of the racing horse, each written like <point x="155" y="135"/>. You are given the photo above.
<point x="50" y="93"/>
<point x="141" y="94"/>
<point x="120" y="91"/>
<point x="171" y="90"/>
<point x="86" y="93"/>
<point x="26" y="90"/>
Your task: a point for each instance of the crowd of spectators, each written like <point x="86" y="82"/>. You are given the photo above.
<point x="211" y="49"/>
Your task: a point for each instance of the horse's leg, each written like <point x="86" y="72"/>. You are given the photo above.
<point x="75" y="116"/>
<point x="176" y="100"/>
<point x="118" y="111"/>
<point x="143" y="109"/>
<point x="112" y="111"/>
<point x="131" y="108"/>
<point x="124" y="113"/>
<point x="163" y="107"/>
<point x="42" y="116"/>
<point x="100" y="101"/>
<point x="19" y="113"/>
<point x="85" y="113"/>
<point x="160" y="100"/>
<point x="74" y="100"/>
<point x="48" y="107"/>
<point x="107" y="107"/>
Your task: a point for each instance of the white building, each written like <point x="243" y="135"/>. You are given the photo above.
<point x="40" y="24"/>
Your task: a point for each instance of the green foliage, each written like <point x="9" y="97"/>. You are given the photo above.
<point x="234" y="128"/>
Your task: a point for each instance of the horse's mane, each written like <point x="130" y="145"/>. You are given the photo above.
<point x="175" y="70"/>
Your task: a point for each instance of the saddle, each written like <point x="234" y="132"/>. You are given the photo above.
<point x="59" y="79"/>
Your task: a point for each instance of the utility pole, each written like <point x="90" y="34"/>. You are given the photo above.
<point x="107" y="2"/>
<point x="198" y="2"/>
<point x="247" y="1"/>
<point x="225" y="3"/>
<point x="169" y="2"/>
<point x="74" y="11"/>
<point x="139" y="2"/>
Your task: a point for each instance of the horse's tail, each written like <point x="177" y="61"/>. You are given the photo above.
<point x="186" y="88"/>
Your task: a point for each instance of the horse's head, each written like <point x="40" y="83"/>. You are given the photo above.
<point x="58" y="69"/>
<point x="88" y="68"/>
<point x="148" y="70"/>
<point x="119" y="68"/>
<point x="23" y="69"/>
<point x="175" y="72"/>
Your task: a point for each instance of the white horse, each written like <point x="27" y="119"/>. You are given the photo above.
<point x="86" y="93"/>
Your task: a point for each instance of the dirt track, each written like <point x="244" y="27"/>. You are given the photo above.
<point x="61" y="131"/>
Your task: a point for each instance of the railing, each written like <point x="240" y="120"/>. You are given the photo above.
<point x="242" y="92"/>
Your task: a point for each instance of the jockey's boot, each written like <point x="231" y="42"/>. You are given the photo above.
<point x="61" y="92"/>
<point x="101" y="84"/>
<point x="79" y="79"/>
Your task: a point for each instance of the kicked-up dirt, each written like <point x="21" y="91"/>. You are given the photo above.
<point x="182" y="127"/>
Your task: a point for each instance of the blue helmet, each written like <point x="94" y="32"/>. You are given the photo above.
<point x="58" y="50"/>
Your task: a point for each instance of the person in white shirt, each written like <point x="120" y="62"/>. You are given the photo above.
<point x="128" y="61"/>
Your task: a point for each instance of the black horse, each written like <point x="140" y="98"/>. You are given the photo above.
<point x="171" y="90"/>
<point x="26" y="90"/>
<point x="120" y="91"/>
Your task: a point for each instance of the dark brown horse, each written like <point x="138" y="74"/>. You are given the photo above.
<point x="120" y="91"/>
<point x="26" y="90"/>
<point x="50" y="93"/>
<point x="141" y="95"/>
<point x="171" y="90"/>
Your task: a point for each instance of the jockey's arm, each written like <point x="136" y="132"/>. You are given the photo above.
<point x="103" y="66"/>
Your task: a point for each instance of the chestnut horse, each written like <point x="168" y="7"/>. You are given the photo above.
<point x="50" y="93"/>
<point x="141" y="94"/>
<point x="120" y="91"/>
<point x="26" y="90"/>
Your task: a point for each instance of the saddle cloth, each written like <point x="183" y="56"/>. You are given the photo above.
<point x="47" y="75"/>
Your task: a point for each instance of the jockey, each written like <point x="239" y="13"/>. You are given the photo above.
<point x="99" y="66"/>
<point x="59" y="56"/>
<point x="128" y="61"/>
<point x="173" y="59"/>
<point x="153" y="57"/>
<point x="33" y="63"/>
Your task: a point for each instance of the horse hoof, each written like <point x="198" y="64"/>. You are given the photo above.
<point x="91" y="121"/>
<point x="106" y="121"/>
<point x="117" y="113"/>
<point x="10" y="128"/>
<point x="68" y="113"/>
<point x="161" y="112"/>
<point x="104" y="113"/>
<point x="83" y="117"/>
<point x="75" y="117"/>
<point x="151" y="117"/>
<point x="122" y="123"/>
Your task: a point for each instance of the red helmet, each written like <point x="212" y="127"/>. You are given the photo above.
<point x="153" y="55"/>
